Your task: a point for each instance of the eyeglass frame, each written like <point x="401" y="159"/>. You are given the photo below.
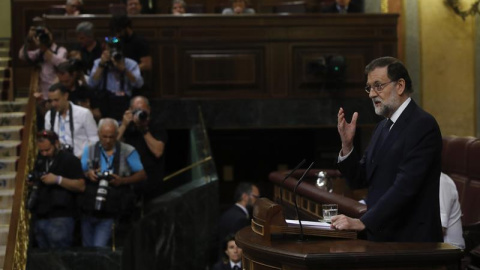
<point x="368" y="88"/>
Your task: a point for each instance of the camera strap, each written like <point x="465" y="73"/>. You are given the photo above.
<point x="53" y="113"/>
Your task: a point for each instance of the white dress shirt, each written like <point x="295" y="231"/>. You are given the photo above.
<point x="84" y="128"/>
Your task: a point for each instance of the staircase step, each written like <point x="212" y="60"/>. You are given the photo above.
<point x="7" y="180"/>
<point x="10" y="133"/>
<point x="3" y="236"/>
<point x="19" y="105"/>
<point x="5" y="62"/>
<point x="9" y="148"/>
<point x="12" y="118"/>
<point x="5" y="217"/>
<point x="3" y="249"/>
<point x="8" y="164"/>
<point x="6" y="199"/>
<point x="4" y="52"/>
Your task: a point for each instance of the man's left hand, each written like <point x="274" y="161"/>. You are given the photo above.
<point x="343" y="223"/>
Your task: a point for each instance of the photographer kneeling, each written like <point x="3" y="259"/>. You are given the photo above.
<point x="111" y="167"/>
<point x="56" y="176"/>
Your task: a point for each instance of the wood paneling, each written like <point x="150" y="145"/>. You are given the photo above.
<point x="261" y="56"/>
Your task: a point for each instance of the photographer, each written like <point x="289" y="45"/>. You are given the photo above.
<point x="111" y="167"/>
<point x="149" y="140"/>
<point x="41" y="50"/>
<point x="55" y="179"/>
<point x="114" y="77"/>
<point x="74" y="124"/>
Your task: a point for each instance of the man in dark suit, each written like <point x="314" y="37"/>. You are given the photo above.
<point x="401" y="165"/>
<point x="239" y="215"/>
<point x="342" y="6"/>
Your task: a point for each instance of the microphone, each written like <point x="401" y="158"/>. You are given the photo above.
<point x="295" y="197"/>
<point x="288" y="175"/>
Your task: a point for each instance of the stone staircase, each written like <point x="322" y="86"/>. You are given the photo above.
<point x="12" y="114"/>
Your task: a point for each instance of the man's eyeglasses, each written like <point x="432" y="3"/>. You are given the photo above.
<point x="377" y="87"/>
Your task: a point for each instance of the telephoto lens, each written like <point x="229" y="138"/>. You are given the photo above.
<point x="102" y="191"/>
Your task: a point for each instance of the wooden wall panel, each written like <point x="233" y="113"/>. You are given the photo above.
<point x="261" y="56"/>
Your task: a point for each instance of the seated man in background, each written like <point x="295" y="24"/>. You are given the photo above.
<point x="238" y="7"/>
<point x="134" y="7"/>
<point x="178" y="7"/>
<point x="149" y="139"/>
<point x="111" y="167"/>
<point x="133" y="46"/>
<point x="342" y="7"/>
<point x="74" y="124"/>
<point x="233" y="254"/>
<point x="238" y="215"/>
<point x="450" y="212"/>
<point x="56" y="177"/>
<point x="88" y="48"/>
<point x="114" y="77"/>
<point x="73" y="7"/>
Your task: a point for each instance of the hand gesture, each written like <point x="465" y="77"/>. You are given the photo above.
<point x="127" y="118"/>
<point x="346" y="131"/>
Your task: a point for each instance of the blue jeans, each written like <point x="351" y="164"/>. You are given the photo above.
<point x="96" y="232"/>
<point x="54" y="232"/>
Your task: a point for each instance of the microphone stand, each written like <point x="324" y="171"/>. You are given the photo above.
<point x="295" y="194"/>
<point x="288" y="175"/>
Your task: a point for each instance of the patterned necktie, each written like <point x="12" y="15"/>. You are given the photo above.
<point x="383" y="134"/>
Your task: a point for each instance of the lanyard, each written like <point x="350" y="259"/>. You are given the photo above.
<point x="107" y="160"/>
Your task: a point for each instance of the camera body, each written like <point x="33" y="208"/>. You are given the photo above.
<point x="102" y="190"/>
<point x="140" y="115"/>
<point x="34" y="178"/>
<point x="42" y="35"/>
<point x="66" y="147"/>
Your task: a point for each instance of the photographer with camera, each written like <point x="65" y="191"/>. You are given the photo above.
<point x="41" y="50"/>
<point x="56" y="177"/>
<point x="74" y="124"/>
<point x="111" y="168"/>
<point x="113" y="78"/>
<point x="149" y="139"/>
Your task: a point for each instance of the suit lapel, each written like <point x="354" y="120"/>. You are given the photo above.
<point x="392" y="136"/>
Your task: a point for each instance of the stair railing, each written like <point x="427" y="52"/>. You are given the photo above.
<point x="17" y="244"/>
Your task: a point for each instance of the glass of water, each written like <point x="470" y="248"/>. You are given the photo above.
<point x="328" y="211"/>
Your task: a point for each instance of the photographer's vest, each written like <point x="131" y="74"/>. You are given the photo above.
<point x="119" y="199"/>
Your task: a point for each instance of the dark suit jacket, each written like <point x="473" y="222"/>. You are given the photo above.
<point x="352" y="8"/>
<point x="222" y="266"/>
<point x="231" y="222"/>
<point x="402" y="177"/>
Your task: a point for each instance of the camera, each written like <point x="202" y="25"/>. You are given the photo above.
<point x="66" y="147"/>
<point x="34" y="178"/>
<point x="140" y="114"/>
<point x="113" y="44"/>
<point x="42" y="35"/>
<point x="102" y="190"/>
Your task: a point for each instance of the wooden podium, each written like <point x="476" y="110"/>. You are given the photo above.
<point x="262" y="252"/>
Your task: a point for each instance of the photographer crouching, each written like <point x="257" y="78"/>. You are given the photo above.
<point x="56" y="177"/>
<point x="149" y="139"/>
<point x="111" y="167"/>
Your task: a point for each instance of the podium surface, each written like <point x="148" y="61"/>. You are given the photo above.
<point x="327" y="253"/>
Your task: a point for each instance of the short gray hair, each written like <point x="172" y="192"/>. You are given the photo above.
<point x="140" y="97"/>
<point x="107" y="121"/>
<point x="85" y="28"/>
